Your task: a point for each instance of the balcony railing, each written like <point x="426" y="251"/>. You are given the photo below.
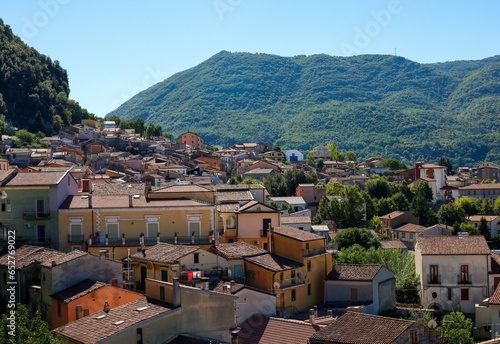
<point x="75" y="239"/>
<point x="464" y="278"/>
<point x="313" y="251"/>
<point x="433" y="279"/>
<point x="291" y="282"/>
<point x="36" y="215"/>
<point x="179" y="240"/>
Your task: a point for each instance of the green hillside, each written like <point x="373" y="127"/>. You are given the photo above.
<point x="372" y="104"/>
<point x="33" y="89"/>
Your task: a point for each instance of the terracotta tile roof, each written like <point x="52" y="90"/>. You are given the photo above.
<point x="5" y="174"/>
<point x="297" y="234"/>
<point x="488" y="218"/>
<point x="180" y="189"/>
<point x="480" y="187"/>
<point x="229" y="187"/>
<point x="433" y="166"/>
<point x="410" y="228"/>
<point x="91" y="329"/>
<point x="122" y="201"/>
<point x="109" y="188"/>
<point x="62" y="258"/>
<point x="164" y="253"/>
<point x="295" y="219"/>
<point x="228" y="208"/>
<point x="27" y="255"/>
<point x="393" y="244"/>
<point x="233" y="196"/>
<point x="360" y="328"/>
<point x="37" y="178"/>
<point x="78" y="290"/>
<point x="495" y="298"/>
<point x="273" y="262"/>
<point x="354" y="272"/>
<point x="236" y="250"/>
<point x="392" y="215"/>
<point x="452" y="245"/>
<point x="262" y="329"/>
<point x="223" y="287"/>
<point x="253" y="206"/>
<point x="290" y="200"/>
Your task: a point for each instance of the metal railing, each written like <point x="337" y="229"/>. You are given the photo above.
<point x="179" y="240"/>
<point x="35" y="215"/>
<point x="433" y="279"/>
<point x="464" y="278"/>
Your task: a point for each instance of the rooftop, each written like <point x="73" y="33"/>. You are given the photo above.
<point x="99" y="326"/>
<point x="262" y="329"/>
<point x="297" y="234"/>
<point x="273" y="262"/>
<point x="452" y="245"/>
<point x="46" y="178"/>
<point x="360" y="328"/>
<point x="78" y="290"/>
<point x="354" y="272"/>
<point x="236" y="250"/>
<point x="165" y="253"/>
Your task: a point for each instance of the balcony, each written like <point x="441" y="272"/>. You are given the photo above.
<point x="313" y="251"/>
<point x="433" y="279"/>
<point x="36" y="215"/>
<point x="135" y="241"/>
<point x="464" y="279"/>
<point x="34" y="240"/>
<point x="75" y="239"/>
<point x="291" y="282"/>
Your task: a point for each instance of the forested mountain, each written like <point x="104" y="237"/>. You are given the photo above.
<point x="33" y="89"/>
<point x="372" y="104"/>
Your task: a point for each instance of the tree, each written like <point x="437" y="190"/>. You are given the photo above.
<point x="420" y="205"/>
<point x="456" y="329"/>
<point x="450" y="213"/>
<point x="320" y="164"/>
<point x="465" y="227"/>
<point x="333" y="188"/>
<point x="351" y="156"/>
<point x="444" y="161"/>
<point x="379" y="187"/>
<point x="353" y="236"/>
<point x="31" y="330"/>
<point x="484" y="206"/>
<point x="311" y="159"/>
<point x="468" y="204"/>
<point x="376" y="224"/>
<point x="25" y="137"/>
<point x="384" y="206"/>
<point x="335" y="153"/>
<point x="394" y="164"/>
<point x="496" y="206"/>
<point x="400" y="201"/>
<point x="484" y="229"/>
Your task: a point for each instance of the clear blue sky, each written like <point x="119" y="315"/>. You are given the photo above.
<point x="114" y="49"/>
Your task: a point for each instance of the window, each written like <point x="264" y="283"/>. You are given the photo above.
<point x="413" y="337"/>
<point x="464" y="274"/>
<point x="449" y="294"/>
<point x="3" y="207"/>
<point x="281" y="277"/>
<point x="403" y="235"/>
<point x="307" y="245"/>
<point x="411" y="236"/>
<point x="265" y="246"/>
<point x="59" y="309"/>
<point x="139" y="335"/>
<point x="152" y="230"/>
<point x="434" y="276"/>
<point x="162" y="293"/>
<point x="308" y="266"/>
<point x="354" y="294"/>
<point x="294" y="297"/>
<point x="308" y="290"/>
<point x="196" y="258"/>
<point x="465" y="294"/>
<point x="164" y="275"/>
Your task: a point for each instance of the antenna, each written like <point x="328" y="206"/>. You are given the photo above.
<point x="395" y="52"/>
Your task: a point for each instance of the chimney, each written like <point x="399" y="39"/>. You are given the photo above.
<point x="53" y="263"/>
<point x="130" y="201"/>
<point x="234" y="336"/>
<point x="114" y="282"/>
<point x="79" y="312"/>
<point x="330" y="313"/>
<point x="177" y="293"/>
<point x="90" y="201"/>
<point x="316" y="311"/>
<point x="204" y="283"/>
<point x="231" y="286"/>
<point x="420" y="319"/>
<point x="311" y="316"/>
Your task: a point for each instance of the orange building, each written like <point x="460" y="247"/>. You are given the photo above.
<point x="192" y="140"/>
<point x="85" y="298"/>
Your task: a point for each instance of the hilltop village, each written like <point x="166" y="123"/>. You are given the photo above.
<point x="162" y="241"/>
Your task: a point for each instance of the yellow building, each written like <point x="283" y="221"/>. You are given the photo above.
<point x="295" y="269"/>
<point x="113" y="224"/>
<point x="254" y="221"/>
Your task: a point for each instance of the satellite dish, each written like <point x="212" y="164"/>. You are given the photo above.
<point x="276" y="285"/>
<point x="432" y="323"/>
<point x="3" y="194"/>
